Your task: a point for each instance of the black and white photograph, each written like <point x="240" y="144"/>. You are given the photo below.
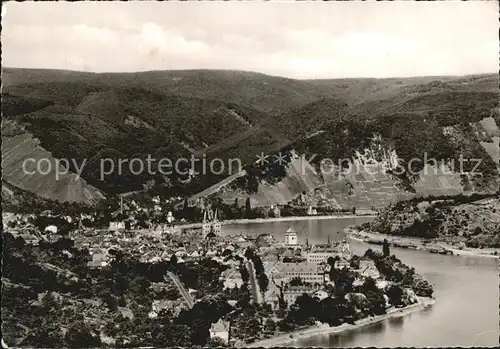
<point x="250" y="174"/>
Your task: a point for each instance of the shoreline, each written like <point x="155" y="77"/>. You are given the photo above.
<point x="417" y="244"/>
<point x="294" y="218"/>
<point x="324" y="329"/>
<point x="280" y="219"/>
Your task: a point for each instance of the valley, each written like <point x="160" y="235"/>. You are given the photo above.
<point x="174" y="114"/>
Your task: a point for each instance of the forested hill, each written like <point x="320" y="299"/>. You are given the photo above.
<point x="231" y="114"/>
<point x="474" y="221"/>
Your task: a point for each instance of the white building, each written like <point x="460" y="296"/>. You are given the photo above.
<point x="116" y="225"/>
<point x="319" y="256"/>
<point x="220" y="329"/>
<point x="99" y="260"/>
<point x="51" y="229"/>
<point x="291" y="237"/>
<point x="311" y="211"/>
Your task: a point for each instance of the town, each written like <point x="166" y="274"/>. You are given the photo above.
<point x="263" y="286"/>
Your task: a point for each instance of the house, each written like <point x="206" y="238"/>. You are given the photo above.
<point x="264" y="240"/>
<point x="51" y="229"/>
<point x="320" y="295"/>
<point x="342" y="263"/>
<point x="273" y="298"/>
<point x="117" y="226"/>
<point x="158" y="305"/>
<point x="30" y="239"/>
<point x="370" y="270"/>
<point x="231" y="278"/>
<point x="276" y="211"/>
<point x="220" y="329"/>
<point x="311" y="211"/>
<point x="99" y="260"/>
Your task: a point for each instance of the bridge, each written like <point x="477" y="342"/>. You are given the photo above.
<point x="185" y="294"/>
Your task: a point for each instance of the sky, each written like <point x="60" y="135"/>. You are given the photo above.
<point x="291" y="39"/>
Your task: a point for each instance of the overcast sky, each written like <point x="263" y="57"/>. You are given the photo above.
<point x="292" y="39"/>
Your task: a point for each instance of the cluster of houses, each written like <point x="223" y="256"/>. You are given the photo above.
<point x="310" y="264"/>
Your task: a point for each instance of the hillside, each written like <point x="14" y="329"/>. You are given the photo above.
<point x="18" y="145"/>
<point x="234" y="114"/>
<point x="258" y="91"/>
<point x="443" y="126"/>
<point x="93" y="122"/>
<point x="473" y="222"/>
<point x="270" y="94"/>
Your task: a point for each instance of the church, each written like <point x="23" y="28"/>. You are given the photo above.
<point x="211" y="223"/>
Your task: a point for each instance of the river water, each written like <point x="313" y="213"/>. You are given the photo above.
<point x="466" y="312"/>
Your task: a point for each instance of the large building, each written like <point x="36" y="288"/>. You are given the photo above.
<point x="307" y="272"/>
<point x="319" y="256"/>
<point x="291" y="293"/>
<point x="320" y="253"/>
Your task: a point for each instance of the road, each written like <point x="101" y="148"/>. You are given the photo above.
<point x="185" y="294"/>
<point x="256" y="295"/>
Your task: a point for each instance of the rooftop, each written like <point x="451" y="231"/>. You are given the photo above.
<point x="220" y="326"/>
<point x="304" y="267"/>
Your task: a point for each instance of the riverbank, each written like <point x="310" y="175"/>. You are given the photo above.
<point x="287" y="338"/>
<point x="294" y="218"/>
<point x="419" y="244"/>
<point x="280" y="219"/>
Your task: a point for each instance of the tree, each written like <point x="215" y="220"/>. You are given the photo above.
<point x="263" y="281"/>
<point x="375" y="296"/>
<point x="395" y="295"/>
<point x="245" y="276"/>
<point x="296" y="281"/>
<point x="173" y="259"/>
<point x="423" y="288"/>
<point x="385" y="248"/>
<point x="248" y="209"/>
<point x="216" y="342"/>
<point x="343" y="280"/>
<point x="270" y="326"/>
<point x="79" y="336"/>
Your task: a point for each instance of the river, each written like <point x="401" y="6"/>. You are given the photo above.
<point x="466" y="289"/>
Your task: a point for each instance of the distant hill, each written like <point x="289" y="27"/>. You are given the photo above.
<point x="473" y="222"/>
<point x="235" y="114"/>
